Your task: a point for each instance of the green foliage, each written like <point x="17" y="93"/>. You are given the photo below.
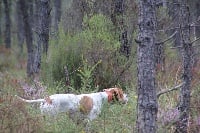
<point x="96" y="43"/>
<point x="99" y="31"/>
<point x="85" y="75"/>
<point x="65" y="53"/>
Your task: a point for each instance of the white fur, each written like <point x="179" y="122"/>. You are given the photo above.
<point x="70" y="103"/>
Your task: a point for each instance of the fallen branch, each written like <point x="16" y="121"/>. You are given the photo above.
<point x="169" y="90"/>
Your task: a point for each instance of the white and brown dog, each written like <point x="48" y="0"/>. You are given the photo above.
<point x="87" y="105"/>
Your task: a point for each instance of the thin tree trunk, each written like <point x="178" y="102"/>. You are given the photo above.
<point x="74" y="16"/>
<point x="160" y="48"/>
<point x="20" y="27"/>
<point x="186" y="51"/>
<point x="38" y="46"/>
<point x="57" y="14"/>
<point x="7" y="23"/>
<point x="43" y="22"/>
<point x="195" y="13"/>
<point x="147" y="106"/>
<point x="28" y="35"/>
<point x="174" y="11"/>
<point x="118" y="20"/>
<point x="0" y="22"/>
<point x="30" y="4"/>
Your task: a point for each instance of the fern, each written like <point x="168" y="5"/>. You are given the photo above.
<point x="85" y="74"/>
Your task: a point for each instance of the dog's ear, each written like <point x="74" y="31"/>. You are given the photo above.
<point x="118" y="94"/>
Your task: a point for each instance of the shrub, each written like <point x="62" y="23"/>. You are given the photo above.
<point x="96" y="43"/>
<point x="14" y="115"/>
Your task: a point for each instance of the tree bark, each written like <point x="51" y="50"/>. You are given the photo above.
<point x="118" y="20"/>
<point x="186" y="51"/>
<point x="7" y="9"/>
<point x="57" y="13"/>
<point x="147" y="106"/>
<point x="174" y="11"/>
<point x="42" y="31"/>
<point x="74" y="16"/>
<point x="29" y="36"/>
<point x="20" y="27"/>
<point x="195" y="30"/>
<point x="44" y="23"/>
<point x="0" y="22"/>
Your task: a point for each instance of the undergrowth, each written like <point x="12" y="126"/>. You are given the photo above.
<point x="17" y="116"/>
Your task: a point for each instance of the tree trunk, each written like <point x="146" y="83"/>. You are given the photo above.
<point x="0" y="22"/>
<point x="174" y="9"/>
<point x="7" y="23"/>
<point x="186" y="51"/>
<point x="20" y="27"/>
<point x="147" y="106"/>
<point x="160" y="48"/>
<point x="29" y="36"/>
<point x="160" y="57"/>
<point x="57" y="13"/>
<point x="197" y="15"/>
<point x="74" y="17"/>
<point x="195" y="30"/>
<point x="118" y="20"/>
<point x="44" y="23"/>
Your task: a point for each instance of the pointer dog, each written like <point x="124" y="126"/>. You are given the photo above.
<point x="85" y="105"/>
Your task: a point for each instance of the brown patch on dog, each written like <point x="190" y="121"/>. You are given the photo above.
<point x="86" y="104"/>
<point x="48" y="100"/>
<point x="110" y="95"/>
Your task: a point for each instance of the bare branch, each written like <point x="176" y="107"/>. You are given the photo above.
<point x="176" y="47"/>
<point x="190" y="43"/>
<point x="158" y="43"/>
<point x="195" y="41"/>
<point x="169" y="90"/>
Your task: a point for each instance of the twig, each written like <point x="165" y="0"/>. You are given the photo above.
<point x="158" y="43"/>
<point x="169" y="90"/>
<point x="195" y="40"/>
<point x="190" y="43"/>
<point x="75" y="70"/>
<point x="176" y="47"/>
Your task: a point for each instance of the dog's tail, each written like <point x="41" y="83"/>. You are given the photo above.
<point x="31" y="101"/>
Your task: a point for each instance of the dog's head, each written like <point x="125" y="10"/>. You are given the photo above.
<point x="116" y="94"/>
